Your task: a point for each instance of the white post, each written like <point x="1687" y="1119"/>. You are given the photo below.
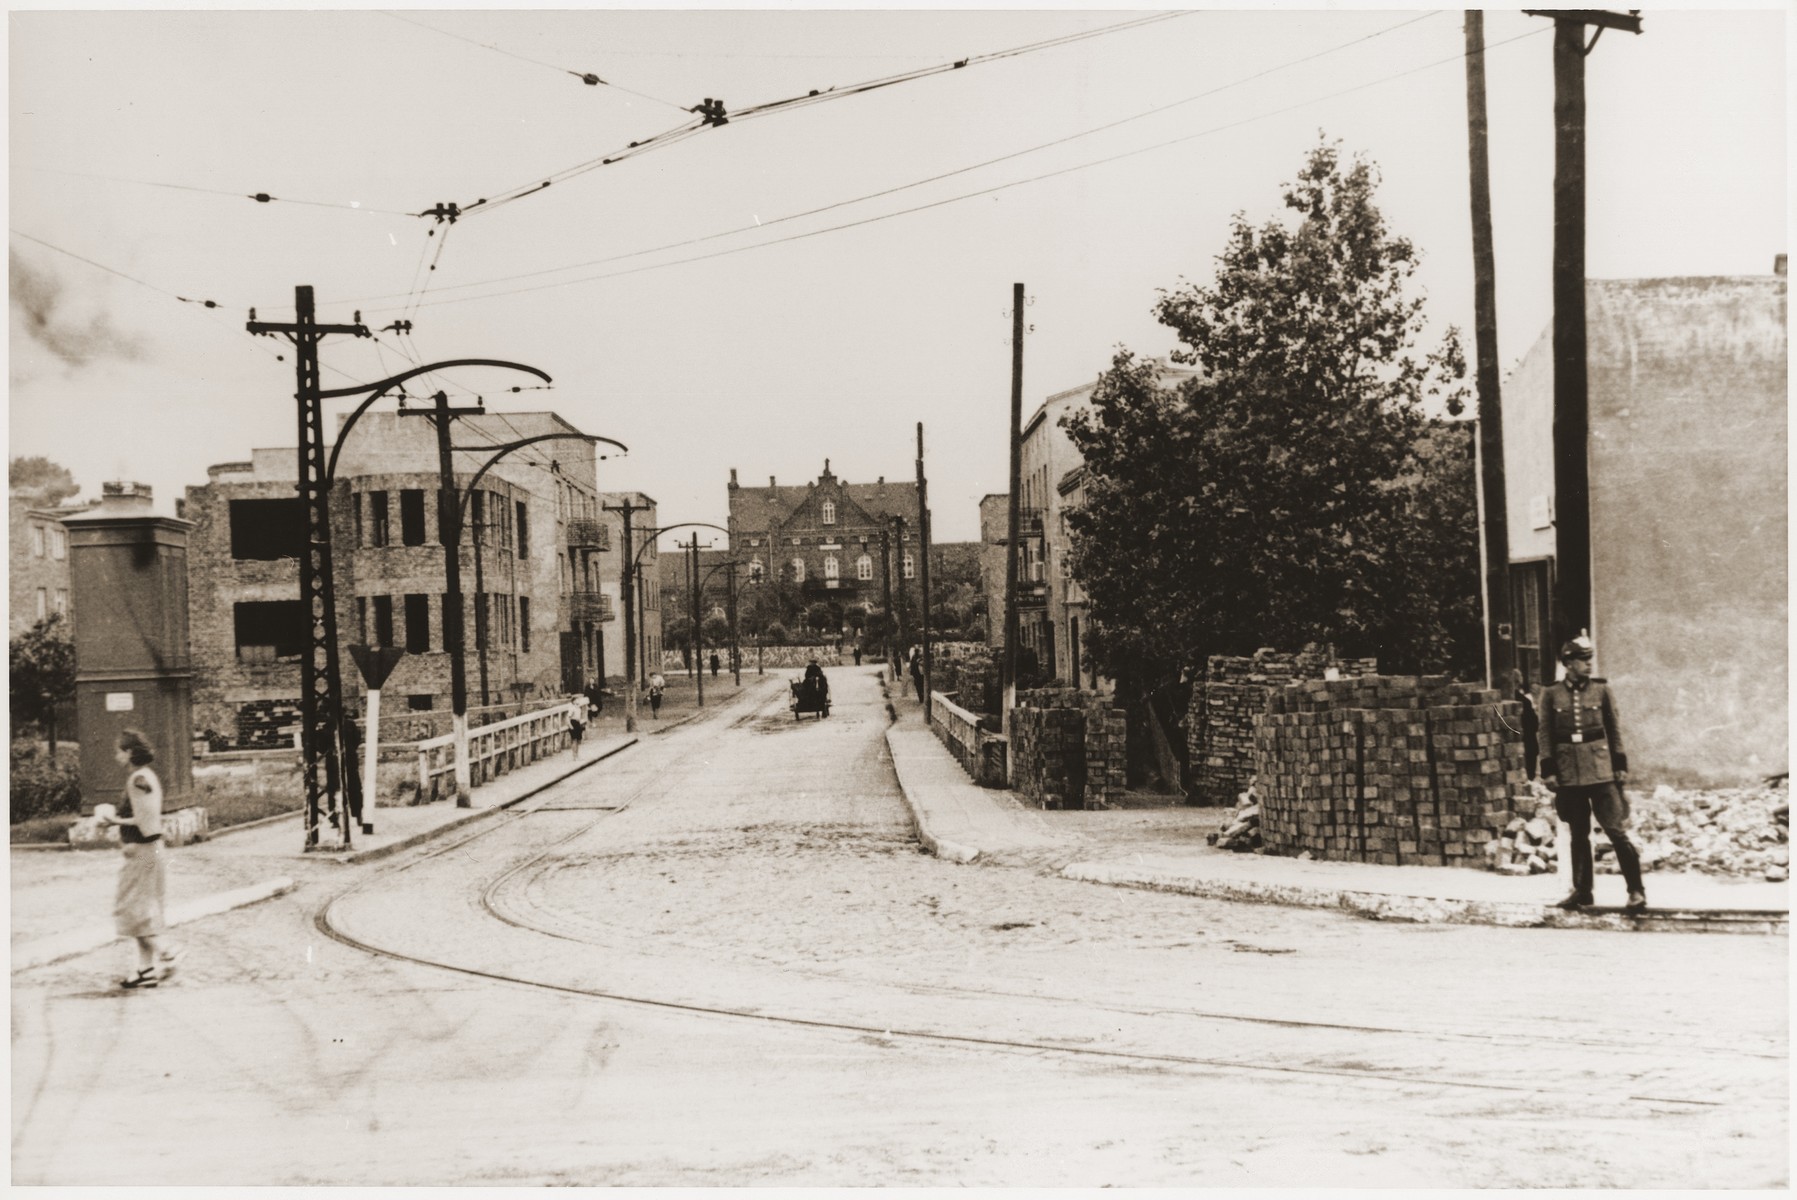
<point x="464" y="783"/>
<point x="371" y="757"/>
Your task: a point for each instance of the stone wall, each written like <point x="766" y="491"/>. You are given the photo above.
<point x="980" y="752"/>
<point x="1387" y="769"/>
<point x="1067" y="749"/>
<point x="1220" y="719"/>
<point x="970" y="671"/>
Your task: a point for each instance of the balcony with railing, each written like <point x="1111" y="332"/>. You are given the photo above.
<point x="587" y="532"/>
<point x="1029" y="525"/>
<point x="588" y="608"/>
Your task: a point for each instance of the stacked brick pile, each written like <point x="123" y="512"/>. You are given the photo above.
<point x="1387" y="769"/>
<point x="971" y="672"/>
<point x="1107" y="752"/>
<point x="1068" y="748"/>
<point x="1220" y="720"/>
<point x="260" y="722"/>
<point x="1048" y="751"/>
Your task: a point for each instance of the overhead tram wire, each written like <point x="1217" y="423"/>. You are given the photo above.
<point x="916" y="183"/>
<point x="996" y="187"/>
<point x="711" y="117"/>
<point x="258" y="197"/>
<point x="589" y="78"/>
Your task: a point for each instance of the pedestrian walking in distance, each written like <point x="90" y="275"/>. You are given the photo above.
<point x="857" y="654"/>
<point x="917" y="673"/>
<point x="577" y="723"/>
<point x="1584" y="763"/>
<point x="656" y="685"/>
<point x="714" y="664"/>
<point x="137" y="910"/>
<point x="595" y="695"/>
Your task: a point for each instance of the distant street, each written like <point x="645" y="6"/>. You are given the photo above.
<point x="721" y="959"/>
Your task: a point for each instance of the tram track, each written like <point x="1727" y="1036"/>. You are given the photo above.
<point x="492" y="906"/>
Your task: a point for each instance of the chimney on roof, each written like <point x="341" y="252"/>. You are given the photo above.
<point x="882" y="481"/>
<point x="770" y="481"/>
<point x="732" y="476"/>
<point x="1778" y="266"/>
<point x="121" y="497"/>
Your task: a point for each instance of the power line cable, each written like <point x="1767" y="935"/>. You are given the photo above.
<point x="587" y="77"/>
<point x="760" y="224"/>
<point x="712" y="112"/>
<point x="996" y="187"/>
<point x="258" y="197"/>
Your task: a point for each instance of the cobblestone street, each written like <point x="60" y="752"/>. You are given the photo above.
<point x="720" y="958"/>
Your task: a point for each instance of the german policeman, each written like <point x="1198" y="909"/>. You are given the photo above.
<point x="1585" y="765"/>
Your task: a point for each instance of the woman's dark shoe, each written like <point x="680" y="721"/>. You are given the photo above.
<point x="1574" y="902"/>
<point x="1637" y="904"/>
<point x="145" y="978"/>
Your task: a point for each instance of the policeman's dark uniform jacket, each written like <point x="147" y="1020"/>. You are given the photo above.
<point x="1581" y="751"/>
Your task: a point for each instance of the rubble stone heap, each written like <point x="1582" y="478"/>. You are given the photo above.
<point x="1220" y="719"/>
<point x="1067" y="749"/>
<point x="1387" y="769"/>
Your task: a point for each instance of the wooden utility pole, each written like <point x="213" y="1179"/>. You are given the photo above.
<point x="923" y="536"/>
<point x="449" y="531"/>
<point x="1572" y="478"/>
<point x="698" y="641"/>
<point x="886" y="597"/>
<point x="1500" y="639"/>
<point x="625" y="594"/>
<point x="1009" y="678"/>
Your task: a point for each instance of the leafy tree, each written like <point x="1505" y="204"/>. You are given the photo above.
<point x="776" y="635"/>
<point x="677" y="631"/>
<point x="717" y="632"/>
<point x="1276" y="496"/>
<point x="823" y="618"/>
<point x="42" y="665"/>
<point x="41" y="481"/>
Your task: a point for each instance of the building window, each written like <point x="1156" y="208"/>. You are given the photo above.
<point x="831" y="570"/>
<point x="523" y="531"/>
<point x="418" y="623"/>
<point x="411" y="517"/>
<point x="864" y="568"/>
<point x="418" y="703"/>
<point x="754" y="570"/>
<point x="523" y="617"/>
<point x="383" y="620"/>
<point x="43" y="603"/>
<point x="59" y="543"/>
<point x="754" y="541"/>
<point x="362" y="618"/>
<point x="798" y="570"/>
<point x="62" y="601"/>
<point x="37" y="541"/>
<point x="267" y="530"/>
<point x="908" y="566"/>
<point x="480" y="620"/>
<point x="269" y="629"/>
<point x="829" y="512"/>
<point x="477" y="514"/>
<point x="377" y="519"/>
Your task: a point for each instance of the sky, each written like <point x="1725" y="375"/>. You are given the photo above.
<point x="768" y="341"/>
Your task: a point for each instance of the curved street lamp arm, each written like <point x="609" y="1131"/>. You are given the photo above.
<point x="655" y="533"/>
<point x="381" y="387"/>
<point x="507" y="448"/>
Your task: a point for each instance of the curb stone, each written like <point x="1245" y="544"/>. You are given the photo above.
<point x="59" y="946"/>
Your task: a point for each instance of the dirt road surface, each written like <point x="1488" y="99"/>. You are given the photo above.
<point x="721" y="959"/>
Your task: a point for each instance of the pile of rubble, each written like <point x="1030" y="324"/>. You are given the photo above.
<point x="1242" y="833"/>
<point x="1742" y="832"/>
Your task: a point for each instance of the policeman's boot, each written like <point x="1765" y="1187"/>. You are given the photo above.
<point x="1637" y="903"/>
<point x="1575" y="901"/>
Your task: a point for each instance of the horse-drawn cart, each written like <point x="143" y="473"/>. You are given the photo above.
<point x="811" y="696"/>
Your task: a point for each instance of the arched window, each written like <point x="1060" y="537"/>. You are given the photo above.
<point x="798" y="570"/>
<point x="754" y="570"/>
<point x="909" y="566"/>
<point x="829" y="512"/>
<point x="864" y="567"/>
<point x="831" y="571"/>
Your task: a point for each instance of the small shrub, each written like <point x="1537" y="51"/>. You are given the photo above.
<point x="42" y="786"/>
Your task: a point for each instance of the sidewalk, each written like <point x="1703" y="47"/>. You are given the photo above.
<point x="60" y="902"/>
<point x="960" y="821"/>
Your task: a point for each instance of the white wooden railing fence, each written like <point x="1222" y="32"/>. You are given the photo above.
<point x="492" y="749"/>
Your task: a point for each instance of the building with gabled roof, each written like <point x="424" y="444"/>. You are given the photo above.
<point x="826" y="535"/>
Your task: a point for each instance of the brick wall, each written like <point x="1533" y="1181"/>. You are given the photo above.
<point x="1220" y="718"/>
<point x="971" y="672"/>
<point x="1387" y="769"/>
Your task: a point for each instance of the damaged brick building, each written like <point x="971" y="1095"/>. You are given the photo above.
<point x="533" y="558"/>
